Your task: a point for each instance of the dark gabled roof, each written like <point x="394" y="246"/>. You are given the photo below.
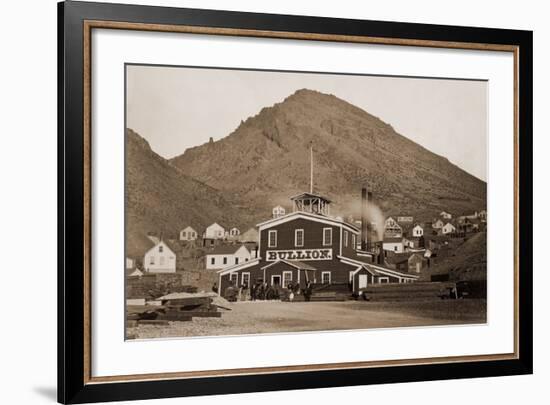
<point x="225" y="249"/>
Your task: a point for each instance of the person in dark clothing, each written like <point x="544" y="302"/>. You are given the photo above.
<point x="307" y="292"/>
<point x="253" y="292"/>
<point x="215" y="288"/>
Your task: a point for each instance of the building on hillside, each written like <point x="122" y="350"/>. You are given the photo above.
<point x="416" y="263"/>
<point x="160" y="259"/>
<point x="234" y="233"/>
<point x="448" y="228"/>
<point x="417" y="231"/>
<point x="414" y="243"/>
<point x="438" y="224"/>
<point x="392" y="229"/>
<point x="214" y="231"/>
<point x="308" y="245"/>
<point x="445" y="215"/>
<point x="251" y="235"/>
<point x="188" y="234"/>
<point x="278" y="211"/>
<point x="224" y="256"/>
<point x="393" y="245"/>
<point x="399" y="261"/>
<point x="130" y="263"/>
<point x="213" y="235"/>
<point x="483" y="215"/>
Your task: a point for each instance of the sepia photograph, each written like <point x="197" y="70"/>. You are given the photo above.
<point x="264" y="201"/>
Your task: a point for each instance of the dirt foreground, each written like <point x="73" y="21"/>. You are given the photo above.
<point x="276" y="317"/>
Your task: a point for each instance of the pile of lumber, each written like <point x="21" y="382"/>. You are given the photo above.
<point x="406" y="292"/>
<point x="180" y="307"/>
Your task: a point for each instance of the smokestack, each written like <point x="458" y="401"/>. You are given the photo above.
<point x="364" y="221"/>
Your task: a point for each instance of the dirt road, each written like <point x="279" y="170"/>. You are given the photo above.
<point x="272" y="317"/>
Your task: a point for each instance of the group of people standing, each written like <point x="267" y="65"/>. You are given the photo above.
<point x="261" y="290"/>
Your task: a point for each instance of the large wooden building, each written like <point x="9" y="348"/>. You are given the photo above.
<point x="309" y="245"/>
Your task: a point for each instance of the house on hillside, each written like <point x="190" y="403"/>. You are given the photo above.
<point x="214" y="234"/>
<point x="188" y="234"/>
<point x="483" y="215"/>
<point x="392" y="229"/>
<point x="448" y="228"/>
<point x="393" y="245"/>
<point x="399" y="262"/>
<point x="445" y="215"/>
<point x="160" y="259"/>
<point x="438" y="224"/>
<point x="278" y="211"/>
<point x="224" y="256"/>
<point x="417" y="231"/>
<point x="234" y="233"/>
<point x="416" y="263"/>
<point x="251" y="235"/>
<point x="130" y="263"/>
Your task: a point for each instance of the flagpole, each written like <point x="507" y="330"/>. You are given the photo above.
<point x="311" y="169"/>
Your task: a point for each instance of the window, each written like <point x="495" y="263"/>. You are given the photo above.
<point x="152" y="260"/>
<point x="184" y="234"/>
<point x="325" y="277"/>
<point x="161" y="248"/>
<point x="395" y="248"/>
<point x="272" y="239"/>
<point x="327" y="236"/>
<point x="287" y="278"/>
<point x="346" y="238"/>
<point x="213" y="260"/>
<point x="234" y="278"/>
<point x="236" y="260"/>
<point x="353" y="241"/>
<point x="299" y="237"/>
<point x="245" y="279"/>
<point x="225" y="260"/>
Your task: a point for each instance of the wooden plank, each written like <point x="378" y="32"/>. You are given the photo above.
<point x="153" y="322"/>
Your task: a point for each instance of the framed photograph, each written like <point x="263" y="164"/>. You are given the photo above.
<point x="253" y="202"/>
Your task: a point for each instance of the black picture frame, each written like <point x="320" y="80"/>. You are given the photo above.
<point x="72" y="231"/>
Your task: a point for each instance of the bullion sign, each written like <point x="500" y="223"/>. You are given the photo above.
<point x="300" y="254"/>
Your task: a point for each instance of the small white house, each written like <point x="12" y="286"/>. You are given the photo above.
<point x="417" y="231"/>
<point x="445" y="215"/>
<point x="214" y="231"/>
<point x="393" y="244"/>
<point x="448" y="228"/>
<point x="438" y="224"/>
<point x="227" y="255"/>
<point x="278" y="211"/>
<point x="188" y="234"/>
<point x="160" y="259"/>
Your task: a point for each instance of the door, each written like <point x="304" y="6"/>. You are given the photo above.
<point x="275" y="280"/>
<point x="363" y="281"/>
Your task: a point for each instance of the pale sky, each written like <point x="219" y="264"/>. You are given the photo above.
<point x="178" y="107"/>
